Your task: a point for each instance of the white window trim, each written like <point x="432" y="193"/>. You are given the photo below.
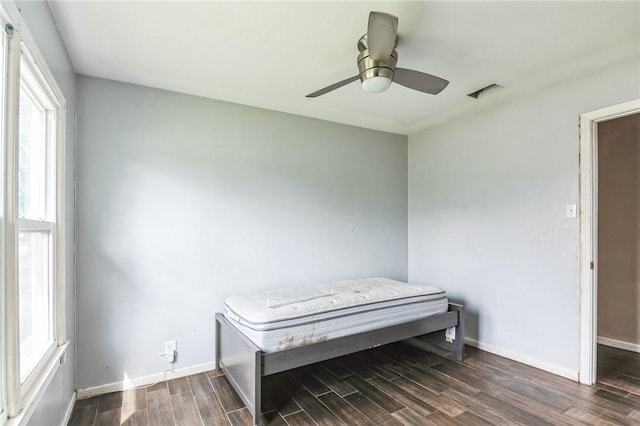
<point x="12" y="370"/>
<point x="18" y="402"/>
<point x="3" y="345"/>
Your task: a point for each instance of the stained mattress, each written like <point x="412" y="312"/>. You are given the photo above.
<point x="291" y="317"/>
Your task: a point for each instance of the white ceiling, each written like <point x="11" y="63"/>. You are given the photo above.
<point x="271" y="54"/>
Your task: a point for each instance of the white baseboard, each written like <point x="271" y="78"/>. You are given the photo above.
<point x="145" y="380"/>
<point x="627" y="346"/>
<point x="525" y="359"/>
<point x="67" y="414"/>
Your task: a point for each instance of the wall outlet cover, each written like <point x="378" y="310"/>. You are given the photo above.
<point x="170" y="350"/>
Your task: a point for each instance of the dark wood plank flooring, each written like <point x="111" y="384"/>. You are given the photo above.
<point x="398" y="384"/>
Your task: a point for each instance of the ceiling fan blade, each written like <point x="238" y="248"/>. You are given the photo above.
<point x="382" y="33"/>
<point x="420" y="81"/>
<point x="334" y="86"/>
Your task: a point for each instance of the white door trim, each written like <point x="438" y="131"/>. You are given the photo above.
<point x="589" y="234"/>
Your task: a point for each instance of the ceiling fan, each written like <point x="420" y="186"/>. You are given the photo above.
<point x="377" y="62"/>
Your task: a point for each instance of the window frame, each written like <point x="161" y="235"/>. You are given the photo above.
<point x="19" y="400"/>
<point x="48" y="222"/>
<point x="4" y="45"/>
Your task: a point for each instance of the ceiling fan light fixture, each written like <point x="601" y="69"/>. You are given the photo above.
<point x="376" y="84"/>
<point x="376" y="76"/>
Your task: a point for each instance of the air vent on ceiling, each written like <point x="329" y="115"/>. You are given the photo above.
<point x="485" y="91"/>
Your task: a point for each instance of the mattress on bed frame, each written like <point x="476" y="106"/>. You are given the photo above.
<point x="292" y="317"/>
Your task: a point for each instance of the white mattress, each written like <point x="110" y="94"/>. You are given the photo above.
<point x="291" y="317"/>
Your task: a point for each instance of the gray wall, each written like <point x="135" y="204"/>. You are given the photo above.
<point x="38" y="18"/>
<point x="487" y="197"/>
<point x="183" y="201"/>
<point x="619" y="229"/>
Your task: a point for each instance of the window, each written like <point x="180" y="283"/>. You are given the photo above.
<point x="36" y="223"/>
<point x="32" y="117"/>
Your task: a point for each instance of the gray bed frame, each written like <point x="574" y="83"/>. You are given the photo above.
<point x="244" y="364"/>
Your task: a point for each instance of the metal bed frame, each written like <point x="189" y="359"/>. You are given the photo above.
<point x="244" y="364"/>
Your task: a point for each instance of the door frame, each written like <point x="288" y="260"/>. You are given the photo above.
<point x="588" y="264"/>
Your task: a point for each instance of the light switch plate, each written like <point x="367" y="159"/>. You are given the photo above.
<point x="572" y="211"/>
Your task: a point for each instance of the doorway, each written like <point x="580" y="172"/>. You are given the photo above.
<point x="618" y="226"/>
<point x="589" y="214"/>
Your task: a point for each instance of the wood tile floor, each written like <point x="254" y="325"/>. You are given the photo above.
<point x="392" y="385"/>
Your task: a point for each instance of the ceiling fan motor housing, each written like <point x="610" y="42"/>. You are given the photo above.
<point x="375" y="75"/>
<point x="368" y="67"/>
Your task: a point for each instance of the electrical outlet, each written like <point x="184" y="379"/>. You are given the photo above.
<point x="170" y="351"/>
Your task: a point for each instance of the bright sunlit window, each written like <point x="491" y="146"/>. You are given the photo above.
<point x="36" y="178"/>
<point x="32" y="116"/>
<point x="36" y="336"/>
